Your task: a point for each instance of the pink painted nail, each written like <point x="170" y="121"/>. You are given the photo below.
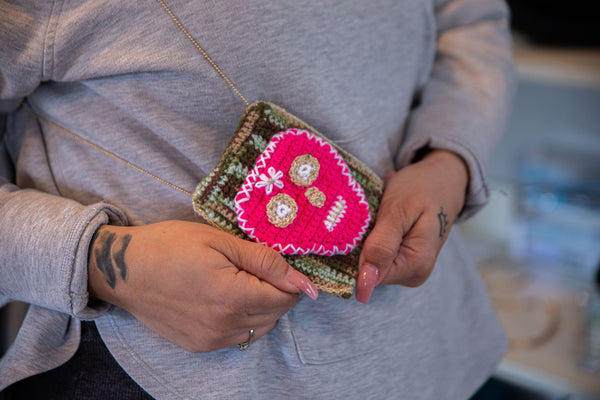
<point x="299" y="280"/>
<point x="367" y="280"/>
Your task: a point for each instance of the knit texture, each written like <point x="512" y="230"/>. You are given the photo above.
<point x="300" y="198"/>
<point x="281" y="183"/>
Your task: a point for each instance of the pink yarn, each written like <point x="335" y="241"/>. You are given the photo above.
<point x="334" y="228"/>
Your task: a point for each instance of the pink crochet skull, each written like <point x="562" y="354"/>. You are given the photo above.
<point x="301" y="198"/>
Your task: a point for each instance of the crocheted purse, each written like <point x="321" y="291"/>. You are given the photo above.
<point x="282" y="184"/>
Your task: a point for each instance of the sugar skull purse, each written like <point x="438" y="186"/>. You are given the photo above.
<point x="281" y="183"/>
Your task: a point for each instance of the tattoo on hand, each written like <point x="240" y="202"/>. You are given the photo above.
<point x="443" y="220"/>
<point x="109" y="259"/>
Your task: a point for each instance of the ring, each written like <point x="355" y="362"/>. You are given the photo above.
<point x="244" y="346"/>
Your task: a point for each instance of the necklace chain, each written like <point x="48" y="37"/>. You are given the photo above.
<point x="201" y="50"/>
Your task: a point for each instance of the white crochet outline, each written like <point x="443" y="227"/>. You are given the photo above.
<point x="247" y="187"/>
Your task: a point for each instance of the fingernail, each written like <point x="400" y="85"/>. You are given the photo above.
<point x="368" y="278"/>
<point x="299" y="280"/>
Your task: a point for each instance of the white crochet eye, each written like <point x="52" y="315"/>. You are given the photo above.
<point x="282" y="210"/>
<point x="304" y="170"/>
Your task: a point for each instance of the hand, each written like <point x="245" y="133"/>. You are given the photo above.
<point x="192" y="284"/>
<point x="419" y="206"/>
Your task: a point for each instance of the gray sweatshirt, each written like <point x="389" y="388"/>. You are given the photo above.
<point x="382" y="79"/>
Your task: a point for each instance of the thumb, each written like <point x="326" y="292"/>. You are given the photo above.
<point x="381" y="248"/>
<point x="268" y="265"/>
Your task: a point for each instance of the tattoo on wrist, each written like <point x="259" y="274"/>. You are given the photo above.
<point x="443" y="220"/>
<point x="110" y="256"/>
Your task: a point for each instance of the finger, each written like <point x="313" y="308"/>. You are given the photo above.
<point x="388" y="176"/>
<point x="416" y="256"/>
<point x="381" y="246"/>
<point x="257" y="297"/>
<point x="394" y="219"/>
<point x="259" y="331"/>
<point x="230" y="337"/>
<point x="260" y="319"/>
<point x="266" y="264"/>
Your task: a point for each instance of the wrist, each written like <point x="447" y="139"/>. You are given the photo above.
<point x="454" y="174"/>
<point x="452" y="163"/>
<point x="105" y="278"/>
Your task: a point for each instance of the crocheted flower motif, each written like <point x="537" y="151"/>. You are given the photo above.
<point x="301" y="198"/>
<point x="274" y="179"/>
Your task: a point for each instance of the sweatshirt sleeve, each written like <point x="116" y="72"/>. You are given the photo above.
<point x="44" y="238"/>
<point x="465" y="103"/>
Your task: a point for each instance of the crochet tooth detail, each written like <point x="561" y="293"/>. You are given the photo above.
<point x="336" y="213"/>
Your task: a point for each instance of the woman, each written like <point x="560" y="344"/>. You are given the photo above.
<point x="416" y="90"/>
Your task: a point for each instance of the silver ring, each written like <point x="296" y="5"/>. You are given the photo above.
<point x="244" y="346"/>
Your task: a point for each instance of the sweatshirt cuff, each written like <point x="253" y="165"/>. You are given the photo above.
<point x="477" y="190"/>
<point x="76" y="259"/>
<point x="44" y="257"/>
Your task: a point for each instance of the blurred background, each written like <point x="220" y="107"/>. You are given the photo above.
<point x="538" y="241"/>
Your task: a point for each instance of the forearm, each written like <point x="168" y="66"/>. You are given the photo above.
<point x="43" y="248"/>
<point x="464" y="105"/>
<point x="454" y="170"/>
<point x="107" y="267"/>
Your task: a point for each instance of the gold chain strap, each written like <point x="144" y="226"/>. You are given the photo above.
<point x="95" y="146"/>
<point x="201" y="50"/>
